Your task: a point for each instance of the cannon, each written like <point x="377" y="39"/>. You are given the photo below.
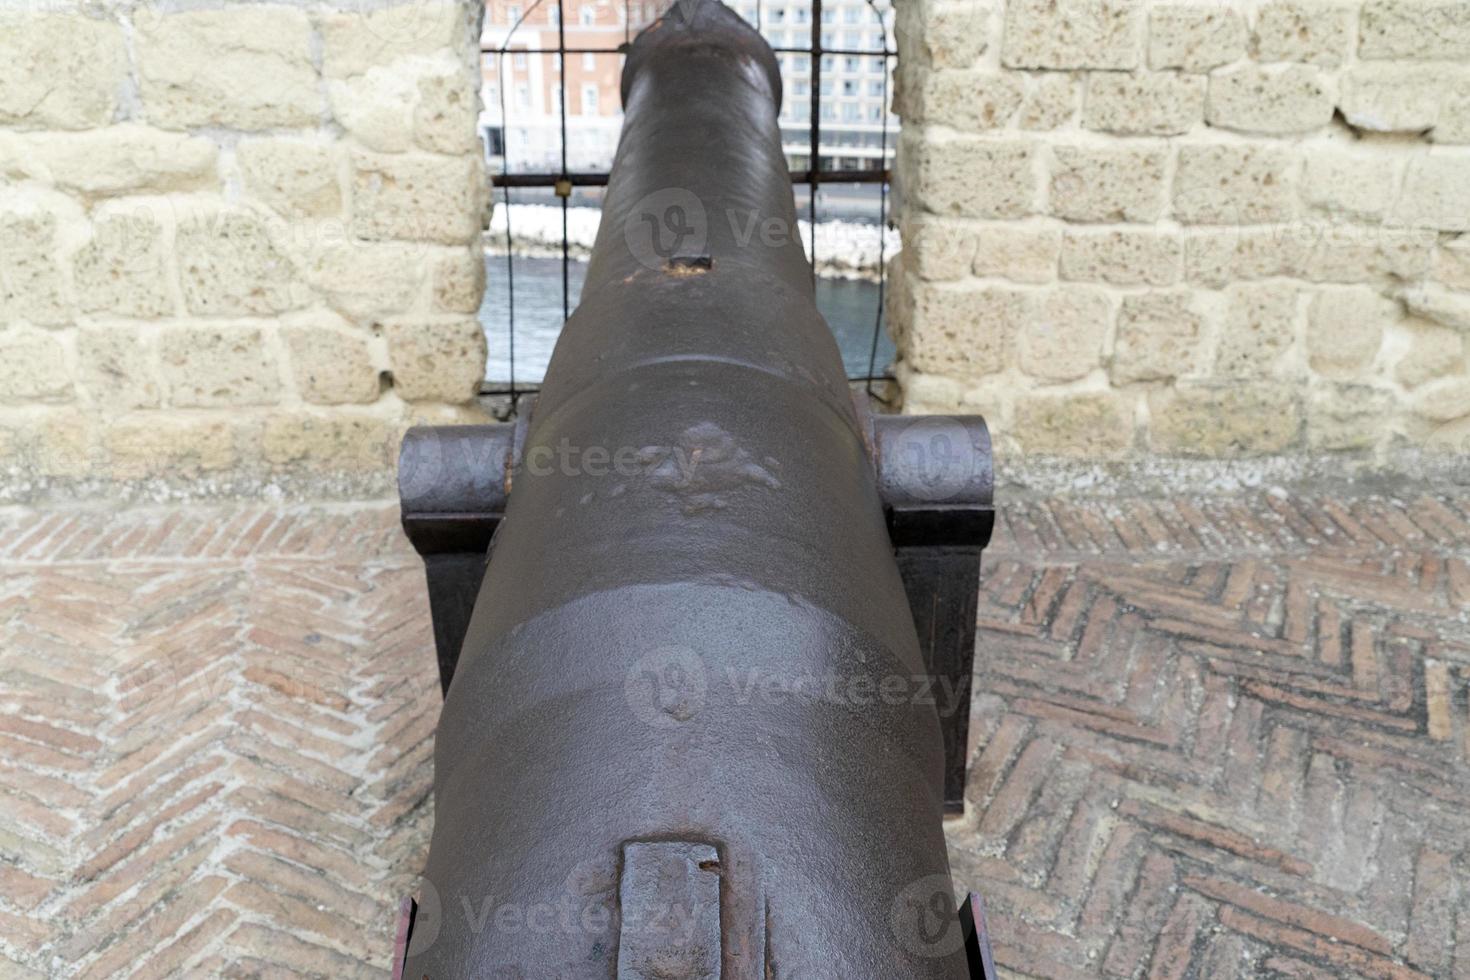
<point x="705" y="625"/>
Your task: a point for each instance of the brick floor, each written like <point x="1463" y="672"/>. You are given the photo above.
<point x="1212" y="739"/>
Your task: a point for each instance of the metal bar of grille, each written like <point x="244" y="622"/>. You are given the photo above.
<point x="854" y="52"/>
<point x="814" y="163"/>
<point x="599" y="179"/>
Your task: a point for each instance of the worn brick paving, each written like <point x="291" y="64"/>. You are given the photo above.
<point x="1212" y="739"/>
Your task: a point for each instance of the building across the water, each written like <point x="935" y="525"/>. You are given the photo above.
<point x="523" y="79"/>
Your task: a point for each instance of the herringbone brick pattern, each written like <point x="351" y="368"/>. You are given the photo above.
<point x="1211" y="740"/>
<point x="1225" y="740"/>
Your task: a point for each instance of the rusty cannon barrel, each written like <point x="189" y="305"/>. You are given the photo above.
<point x="690" y="728"/>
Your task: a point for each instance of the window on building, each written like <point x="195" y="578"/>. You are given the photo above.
<point x="512" y="13"/>
<point x="589" y="100"/>
<point x="829" y="16"/>
<point x="850" y="64"/>
<point x="556" y="62"/>
<point x="827" y="114"/>
<point x="520" y="60"/>
<point x="556" y="97"/>
<point x="851" y="39"/>
<point x="851" y="14"/>
<point x="849" y="87"/>
<point x="875" y="66"/>
<point x="801" y="87"/>
<point x="589" y="61"/>
<point x="827" y="62"/>
<point x="523" y="95"/>
<point x="553" y="14"/>
<point x="826" y="87"/>
<point x="588" y="15"/>
<point x="875" y="89"/>
<point x="802" y="63"/>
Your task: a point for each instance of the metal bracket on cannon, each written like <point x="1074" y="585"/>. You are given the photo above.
<point x="934" y="476"/>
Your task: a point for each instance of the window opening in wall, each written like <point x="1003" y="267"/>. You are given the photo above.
<point x="549" y="156"/>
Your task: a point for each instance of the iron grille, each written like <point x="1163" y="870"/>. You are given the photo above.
<point x="564" y="179"/>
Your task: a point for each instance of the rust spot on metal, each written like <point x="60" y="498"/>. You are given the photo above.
<point x="689" y="265"/>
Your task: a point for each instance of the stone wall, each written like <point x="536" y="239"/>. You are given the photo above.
<point x="239" y="242"/>
<point x="1215" y="230"/>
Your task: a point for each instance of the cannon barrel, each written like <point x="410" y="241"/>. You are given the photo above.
<point x="692" y="731"/>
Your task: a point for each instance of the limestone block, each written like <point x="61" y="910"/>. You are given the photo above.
<point x="963" y="331"/>
<point x="968" y="100"/>
<point x="1258" y="329"/>
<point x="942" y="34"/>
<point x="355" y="40"/>
<point x="1347" y="417"/>
<point x="1274" y="100"/>
<point x="366" y="280"/>
<point x="1350" y="185"/>
<point x="1453" y="125"/>
<point x="1092" y="425"/>
<point x="230" y="262"/>
<point x="1218" y="257"/>
<point x="1443" y="400"/>
<point x="1452" y="263"/>
<point x="938" y="249"/>
<point x="166" y="444"/>
<point x="445" y="118"/>
<point x="377" y="108"/>
<point x="1349" y="254"/>
<point x="295" y="177"/>
<point x="1430" y="30"/>
<point x="31" y="287"/>
<point x="329" y="363"/>
<point x="1110" y="184"/>
<point x="1438" y="305"/>
<point x="1122" y="257"/>
<point x="1224" y="421"/>
<point x="1051" y="101"/>
<point x="123" y="270"/>
<point x="1072" y="34"/>
<point x="417" y="198"/>
<point x="246" y="66"/>
<point x="64" y="439"/>
<point x="1194" y="37"/>
<point x="218" y="365"/>
<point x="1434" y="352"/>
<point x="974" y="177"/>
<point x="126" y="159"/>
<point x="1315" y="31"/>
<point x="114" y="367"/>
<point x="1436" y="193"/>
<point x="1345" y="330"/>
<point x="436" y="360"/>
<point x="1143" y="104"/>
<point x="1062" y="338"/>
<point x="1020" y="253"/>
<point x="459" y="281"/>
<point x="1394" y="98"/>
<point x="1226" y="184"/>
<point x="1159" y="337"/>
<point x="59" y="71"/>
<point x="333" y="442"/>
<point x="32" y="367"/>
